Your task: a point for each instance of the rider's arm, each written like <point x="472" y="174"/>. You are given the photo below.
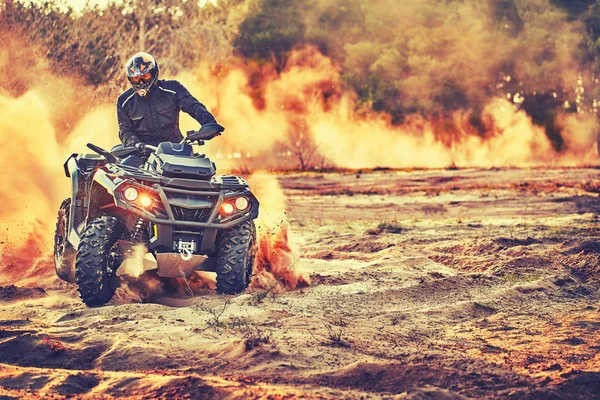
<point x="126" y="133"/>
<point x="190" y="105"/>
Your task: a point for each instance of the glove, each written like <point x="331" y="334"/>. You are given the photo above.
<point x="141" y="148"/>
<point x="213" y="126"/>
<point x="131" y="141"/>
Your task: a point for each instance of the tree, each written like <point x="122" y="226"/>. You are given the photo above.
<point x="271" y="30"/>
<point x="97" y="43"/>
<point x="574" y="7"/>
<point x="300" y="144"/>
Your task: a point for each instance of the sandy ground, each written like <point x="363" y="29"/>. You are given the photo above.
<point x="424" y="285"/>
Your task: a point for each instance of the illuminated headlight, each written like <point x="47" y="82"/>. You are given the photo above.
<point x="131" y="194"/>
<point x="241" y="203"/>
<point x="227" y="208"/>
<point x="145" y="201"/>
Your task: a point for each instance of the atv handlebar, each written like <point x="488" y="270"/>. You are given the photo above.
<point x="123" y="152"/>
<point x="108" y="155"/>
<point x="207" y="132"/>
<point x="149" y="146"/>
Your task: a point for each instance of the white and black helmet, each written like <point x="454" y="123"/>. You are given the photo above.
<point x="142" y="72"/>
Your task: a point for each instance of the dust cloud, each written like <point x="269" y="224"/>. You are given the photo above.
<point x="275" y="262"/>
<point x="42" y="123"/>
<point x="306" y="111"/>
<point x="293" y="106"/>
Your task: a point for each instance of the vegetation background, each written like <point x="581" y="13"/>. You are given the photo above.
<point x="426" y="59"/>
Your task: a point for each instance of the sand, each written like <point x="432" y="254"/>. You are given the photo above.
<point x="423" y="285"/>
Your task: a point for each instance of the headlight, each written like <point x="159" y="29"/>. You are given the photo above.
<point x="145" y="201"/>
<point x="227" y="208"/>
<point x="142" y="198"/>
<point x="131" y="194"/>
<point x="241" y="203"/>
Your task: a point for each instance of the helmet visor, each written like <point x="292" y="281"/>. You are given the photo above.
<point x="142" y="78"/>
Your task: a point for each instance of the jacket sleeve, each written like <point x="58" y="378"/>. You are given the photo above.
<point x="190" y="105"/>
<point x="126" y="134"/>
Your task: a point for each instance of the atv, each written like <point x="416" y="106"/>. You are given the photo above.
<point x="174" y="205"/>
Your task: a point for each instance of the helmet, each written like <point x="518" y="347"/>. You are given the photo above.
<point x="142" y="72"/>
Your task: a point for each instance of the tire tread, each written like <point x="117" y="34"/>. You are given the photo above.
<point x="92" y="258"/>
<point x="65" y="267"/>
<point x="235" y="255"/>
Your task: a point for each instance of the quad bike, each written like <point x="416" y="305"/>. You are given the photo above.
<point x="187" y="218"/>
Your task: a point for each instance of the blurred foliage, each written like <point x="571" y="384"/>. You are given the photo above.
<point x="591" y="19"/>
<point x="96" y="42"/>
<point x="271" y="30"/>
<point x="574" y="7"/>
<point x="434" y="57"/>
<point x="430" y="57"/>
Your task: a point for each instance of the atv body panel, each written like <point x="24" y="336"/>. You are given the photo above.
<point x="184" y="219"/>
<point x="178" y="160"/>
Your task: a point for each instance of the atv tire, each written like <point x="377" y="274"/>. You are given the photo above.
<point x="235" y="255"/>
<point x="94" y="269"/>
<point x="64" y="252"/>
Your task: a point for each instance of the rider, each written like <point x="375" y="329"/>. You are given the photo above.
<point x="148" y="112"/>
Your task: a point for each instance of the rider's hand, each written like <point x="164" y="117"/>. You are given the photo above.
<point x="210" y="126"/>
<point x="141" y="148"/>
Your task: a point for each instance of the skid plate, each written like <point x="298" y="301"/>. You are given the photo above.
<point x="173" y="265"/>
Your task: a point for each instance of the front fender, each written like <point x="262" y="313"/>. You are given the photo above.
<point x="70" y="165"/>
<point x="101" y="194"/>
<point x="77" y="212"/>
<point x="102" y="179"/>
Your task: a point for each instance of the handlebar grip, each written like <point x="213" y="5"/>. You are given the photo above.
<point x="95" y="148"/>
<point x="109" y="157"/>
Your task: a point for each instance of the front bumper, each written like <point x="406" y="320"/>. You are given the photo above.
<point x="164" y="238"/>
<point x="163" y="214"/>
<point x="167" y="227"/>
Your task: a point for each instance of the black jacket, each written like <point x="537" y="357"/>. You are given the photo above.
<point x="155" y="118"/>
